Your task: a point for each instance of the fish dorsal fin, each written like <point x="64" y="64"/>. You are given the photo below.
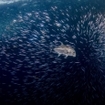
<point x="62" y="45"/>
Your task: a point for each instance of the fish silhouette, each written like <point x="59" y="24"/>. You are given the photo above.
<point x="65" y="50"/>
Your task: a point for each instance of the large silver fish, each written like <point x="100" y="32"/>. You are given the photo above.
<point x="65" y="50"/>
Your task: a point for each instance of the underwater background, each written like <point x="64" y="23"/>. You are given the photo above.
<point x="31" y="73"/>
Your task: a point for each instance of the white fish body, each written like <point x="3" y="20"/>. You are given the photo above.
<point x="65" y="50"/>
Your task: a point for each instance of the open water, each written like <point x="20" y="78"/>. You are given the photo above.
<point x="31" y="73"/>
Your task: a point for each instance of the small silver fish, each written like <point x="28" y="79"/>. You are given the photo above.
<point x="65" y="50"/>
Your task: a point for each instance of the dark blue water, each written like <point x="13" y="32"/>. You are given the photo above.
<point x="31" y="73"/>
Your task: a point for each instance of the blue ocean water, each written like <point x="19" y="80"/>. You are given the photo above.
<point x="31" y="73"/>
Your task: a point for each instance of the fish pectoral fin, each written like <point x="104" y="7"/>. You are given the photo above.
<point x="66" y="56"/>
<point x="59" y="55"/>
